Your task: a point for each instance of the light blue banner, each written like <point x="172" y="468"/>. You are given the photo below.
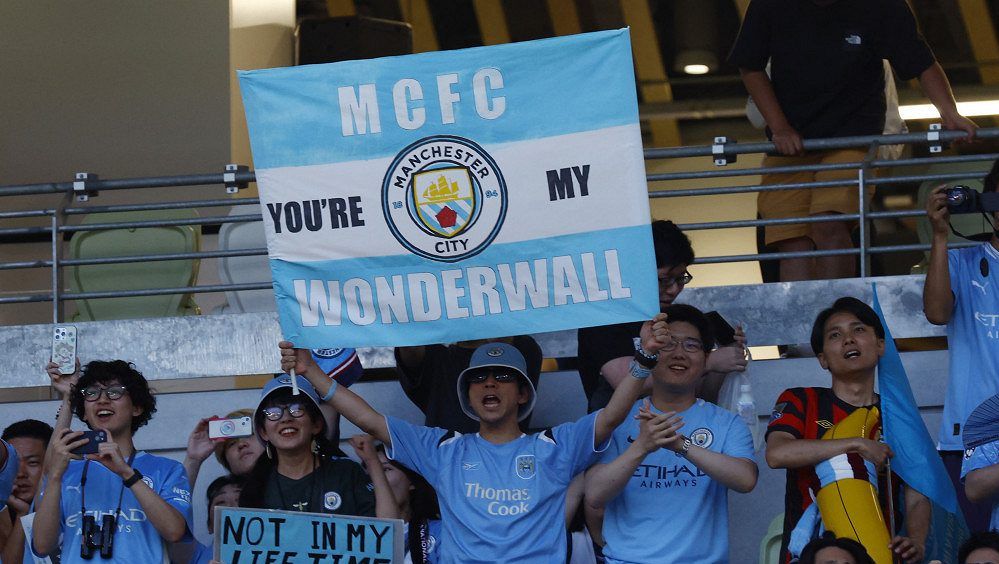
<point x="457" y="195"/>
<point x="256" y="536"/>
<point x="547" y="87"/>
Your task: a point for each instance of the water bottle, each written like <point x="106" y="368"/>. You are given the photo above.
<point x="746" y="408"/>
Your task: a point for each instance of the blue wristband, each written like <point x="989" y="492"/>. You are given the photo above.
<point x="638" y="371"/>
<point x="331" y="391"/>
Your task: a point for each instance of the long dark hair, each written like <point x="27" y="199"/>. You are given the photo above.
<point x="423" y="507"/>
<point x="255" y="488"/>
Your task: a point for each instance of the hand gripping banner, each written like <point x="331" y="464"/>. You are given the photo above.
<point x="454" y="195"/>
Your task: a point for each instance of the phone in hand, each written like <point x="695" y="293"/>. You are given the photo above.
<point x="64" y="348"/>
<point x="724" y="333"/>
<point x="96" y="438"/>
<point x="222" y="429"/>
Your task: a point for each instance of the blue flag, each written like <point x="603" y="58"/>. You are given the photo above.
<point x="916" y="460"/>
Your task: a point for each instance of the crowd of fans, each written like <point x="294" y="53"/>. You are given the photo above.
<point x="645" y="476"/>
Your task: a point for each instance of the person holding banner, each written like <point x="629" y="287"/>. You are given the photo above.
<point x="960" y="292"/>
<point x="299" y="471"/>
<point x="687" y="455"/>
<point x="502" y="492"/>
<point x="429" y="375"/>
<point x="848" y="339"/>
<point x="131" y="503"/>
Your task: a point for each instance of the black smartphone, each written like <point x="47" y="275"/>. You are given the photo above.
<point x="95" y="439"/>
<point x="724" y="333"/>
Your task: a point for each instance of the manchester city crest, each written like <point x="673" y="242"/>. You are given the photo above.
<point x="702" y="437"/>
<point x="525" y="466"/>
<point x="444" y="198"/>
<point x="332" y="501"/>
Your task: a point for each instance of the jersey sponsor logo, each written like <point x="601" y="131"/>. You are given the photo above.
<point x="990" y="321"/>
<point x="661" y="477"/>
<point x="444" y="198"/>
<point x="125" y="521"/>
<point x="182" y="494"/>
<point x="702" y="437"/>
<point x="332" y="501"/>
<point x="525" y="466"/>
<point x="469" y="465"/>
<point x="502" y="501"/>
<point x="326" y="353"/>
<point x="968" y="453"/>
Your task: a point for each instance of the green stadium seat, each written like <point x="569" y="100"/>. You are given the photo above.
<point x="770" y="546"/>
<point x="135" y="275"/>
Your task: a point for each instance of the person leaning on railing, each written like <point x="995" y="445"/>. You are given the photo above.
<point x="960" y="291"/>
<point x="827" y="80"/>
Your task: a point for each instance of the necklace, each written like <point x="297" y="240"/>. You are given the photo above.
<point x="301" y="505"/>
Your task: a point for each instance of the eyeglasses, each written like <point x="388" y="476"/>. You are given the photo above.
<point x="670" y="281"/>
<point x="689" y="344"/>
<point x="274" y="412"/>
<point x="93" y="393"/>
<point x="479" y="377"/>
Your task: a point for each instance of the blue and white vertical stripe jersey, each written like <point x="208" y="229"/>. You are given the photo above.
<point x="135" y="539"/>
<point x="670" y="510"/>
<point x="973" y="338"/>
<point x="7" y="473"/>
<point x="499" y="503"/>
<point x="981" y="457"/>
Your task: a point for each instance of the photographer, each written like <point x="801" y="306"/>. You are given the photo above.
<point x="960" y="291"/>
<point x="116" y="503"/>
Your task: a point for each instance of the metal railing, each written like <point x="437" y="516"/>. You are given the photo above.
<point x="235" y="178"/>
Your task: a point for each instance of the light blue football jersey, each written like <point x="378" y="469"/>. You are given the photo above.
<point x="973" y="338"/>
<point x="135" y="539"/>
<point x="499" y="503"/>
<point x="980" y="457"/>
<point x="670" y="510"/>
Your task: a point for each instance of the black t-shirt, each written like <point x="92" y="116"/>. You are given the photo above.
<point x="432" y="386"/>
<point x="338" y="486"/>
<point x="826" y="64"/>
<point x="595" y="346"/>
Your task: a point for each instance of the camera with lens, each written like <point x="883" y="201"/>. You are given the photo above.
<point x="964" y="199"/>
<point x="100" y="539"/>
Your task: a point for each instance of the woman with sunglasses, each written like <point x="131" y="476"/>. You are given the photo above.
<point x="299" y="470"/>
<point x="139" y="501"/>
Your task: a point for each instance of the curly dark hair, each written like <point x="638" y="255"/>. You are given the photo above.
<point x="105" y="371"/>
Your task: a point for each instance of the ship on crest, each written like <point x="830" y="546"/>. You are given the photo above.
<point x="441" y="192"/>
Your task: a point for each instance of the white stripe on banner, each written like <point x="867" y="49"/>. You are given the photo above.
<point x="339" y="190"/>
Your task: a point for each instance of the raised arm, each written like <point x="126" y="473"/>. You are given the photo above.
<point x="386" y="505"/>
<point x="349" y="404"/>
<point x="48" y="513"/>
<point x="786" y="451"/>
<point x="935" y="85"/>
<point x="938" y="299"/>
<point x="653" y="335"/>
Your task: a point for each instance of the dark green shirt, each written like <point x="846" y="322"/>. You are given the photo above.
<point x="337" y="486"/>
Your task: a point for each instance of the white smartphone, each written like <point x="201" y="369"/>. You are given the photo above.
<point x="221" y="429"/>
<point x="64" y="348"/>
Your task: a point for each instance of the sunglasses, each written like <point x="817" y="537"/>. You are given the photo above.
<point x="93" y="393"/>
<point x="479" y="377"/>
<point x="274" y="412"/>
<point x="690" y="345"/>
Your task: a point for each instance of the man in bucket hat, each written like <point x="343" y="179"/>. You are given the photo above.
<point x="502" y="493"/>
